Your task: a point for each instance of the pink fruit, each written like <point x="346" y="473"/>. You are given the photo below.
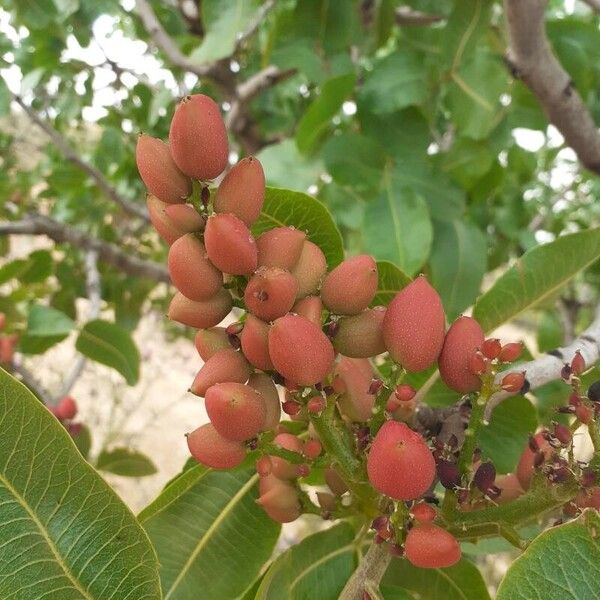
<point x="224" y="365"/>
<point x="210" y="341"/>
<point x="66" y="409"/>
<point x="213" y="450"/>
<point x="463" y="339"/>
<point x="270" y="293"/>
<point x="190" y="270"/>
<point x="431" y="547"/>
<point x="203" y="314"/>
<point x="236" y="410"/>
<point x="279" y="499"/>
<point x="310" y="269"/>
<point x="413" y="327"/>
<point x="242" y="191"/>
<point x="230" y="245"/>
<point x="158" y="171"/>
<point x="255" y="343"/>
<point x="350" y="287"/>
<point x="352" y="378"/>
<point x="282" y="468"/>
<point x="198" y="139"/>
<point x="361" y="335"/>
<point x="310" y="308"/>
<point x="185" y="218"/>
<point x="400" y="464"/>
<point x="262" y="384"/>
<point x="280" y="247"/>
<point x="299" y="350"/>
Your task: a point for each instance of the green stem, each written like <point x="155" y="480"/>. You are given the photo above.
<point x="289" y="455"/>
<point x="196" y="195"/>
<point x="594" y="435"/>
<point x="541" y="499"/>
<point x="337" y="442"/>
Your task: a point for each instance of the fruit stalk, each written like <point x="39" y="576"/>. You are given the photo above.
<point x="338" y="444"/>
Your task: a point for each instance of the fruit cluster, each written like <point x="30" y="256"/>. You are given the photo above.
<point x="307" y="341"/>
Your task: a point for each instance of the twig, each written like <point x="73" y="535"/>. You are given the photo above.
<point x="94" y="294"/>
<point x="164" y="42"/>
<point x="547" y="368"/>
<point x="32" y="383"/>
<point x="259" y="18"/>
<point x="407" y="16"/>
<point x="593" y="4"/>
<point x="531" y="59"/>
<point x="72" y="155"/>
<point x="370" y="570"/>
<point x="109" y="253"/>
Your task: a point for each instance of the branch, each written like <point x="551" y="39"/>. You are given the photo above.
<point x="406" y="16"/>
<point x="370" y="571"/>
<point x="164" y="42"/>
<point x="32" y="383"/>
<point x="531" y="59"/>
<point x="547" y="368"/>
<point x="109" y="253"/>
<point x="593" y="4"/>
<point x="94" y="294"/>
<point x="72" y="155"/>
<point x="261" y="15"/>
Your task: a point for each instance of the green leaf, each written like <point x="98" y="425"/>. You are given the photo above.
<point x="445" y="199"/>
<point x="536" y="276"/>
<point x="458" y="263"/>
<point x="285" y="207"/>
<point x="355" y="160"/>
<point x="391" y="281"/>
<point x="474" y="97"/>
<point x="504" y="439"/>
<point x="468" y="161"/>
<point x="34" y="269"/>
<point x="83" y="440"/>
<point x="65" y="533"/>
<point x="563" y="563"/>
<point x="209" y="533"/>
<point x="4" y="98"/>
<point x="112" y="346"/>
<point x="46" y="321"/>
<point x="223" y="22"/>
<point x="397" y="81"/>
<point x="317" y="567"/>
<point x="46" y="327"/>
<point x="126" y="462"/>
<point x="398" y="227"/>
<point x="318" y="115"/>
<point x="285" y="167"/>
<point x="462" y="581"/>
<point x="393" y="592"/>
<point x="550" y="332"/>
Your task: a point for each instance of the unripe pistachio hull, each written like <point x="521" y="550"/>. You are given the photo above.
<point x="431" y="547"/>
<point x="158" y="171"/>
<point x="350" y="287"/>
<point x="310" y="269"/>
<point x="280" y="247"/>
<point x="299" y="350"/>
<point x="270" y="293"/>
<point x="224" y="365"/>
<point x="203" y="314"/>
<point x="230" y="245"/>
<point x="210" y="341"/>
<point x="414" y="324"/>
<point x="242" y="191"/>
<point x="400" y="464"/>
<point x="213" y="450"/>
<point x="198" y="139"/>
<point x="263" y="385"/>
<point x="255" y="343"/>
<point x="190" y="270"/>
<point x="236" y="410"/>
<point x="361" y="336"/>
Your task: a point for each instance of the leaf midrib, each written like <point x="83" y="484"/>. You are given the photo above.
<point x="115" y="351"/>
<point x="204" y="539"/>
<point x="45" y="535"/>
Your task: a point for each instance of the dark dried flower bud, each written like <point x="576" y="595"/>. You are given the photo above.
<point x="485" y="476"/>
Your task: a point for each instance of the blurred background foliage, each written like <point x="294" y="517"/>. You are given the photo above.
<point x="402" y="117"/>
